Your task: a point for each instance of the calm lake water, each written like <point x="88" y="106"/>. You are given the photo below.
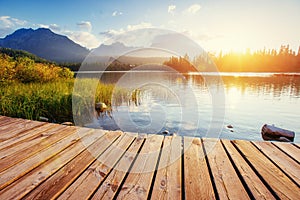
<point x="199" y="104"/>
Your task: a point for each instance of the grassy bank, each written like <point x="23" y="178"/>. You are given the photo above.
<point x="52" y="100"/>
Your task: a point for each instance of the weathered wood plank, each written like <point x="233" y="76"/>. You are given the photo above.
<point x="19" y="147"/>
<point x="198" y="184"/>
<point x="257" y="188"/>
<point x="7" y="120"/>
<point x="14" y="172"/>
<point x="290" y="149"/>
<point x="48" y="138"/>
<point x="288" y="165"/>
<point x="283" y="187"/>
<point x="223" y="172"/>
<point x="58" y="182"/>
<point x="109" y="187"/>
<point x="41" y="173"/>
<point x="12" y="130"/>
<point x="138" y="182"/>
<point x="88" y="182"/>
<point x="27" y="136"/>
<point x="168" y="182"/>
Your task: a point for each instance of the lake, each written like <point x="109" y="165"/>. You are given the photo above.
<point x="224" y="105"/>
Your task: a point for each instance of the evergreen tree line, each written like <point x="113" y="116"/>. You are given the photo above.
<point x="272" y="60"/>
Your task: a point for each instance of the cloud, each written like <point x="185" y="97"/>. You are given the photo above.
<point x="111" y="35"/>
<point x="85" y="26"/>
<point x="53" y="27"/>
<point x="139" y="26"/>
<point x="83" y="38"/>
<point x="112" y="32"/>
<point x="193" y="9"/>
<point x="171" y="9"/>
<point x="9" y="24"/>
<point x="116" y="13"/>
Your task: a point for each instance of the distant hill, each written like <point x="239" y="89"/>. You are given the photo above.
<point x="45" y="44"/>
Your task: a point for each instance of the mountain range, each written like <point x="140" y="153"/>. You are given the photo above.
<point x="48" y="45"/>
<point x="45" y="44"/>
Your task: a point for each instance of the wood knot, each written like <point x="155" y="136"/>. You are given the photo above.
<point x="163" y="182"/>
<point x="114" y="187"/>
<point x="140" y="190"/>
<point x="196" y="141"/>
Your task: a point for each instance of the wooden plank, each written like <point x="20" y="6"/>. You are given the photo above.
<point x="257" y="188"/>
<point x="88" y="182"/>
<point x="168" y="184"/>
<point x="57" y="183"/>
<point x="7" y="120"/>
<point x="25" y="144"/>
<point x="288" y="165"/>
<point x="223" y="172"/>
<point x="48" y="138"/>
<point x="12" y="130"/>
<point x="109" y="187"/>
<point x="283" y="187"/>
<point x="42" y="172"/>
<point x="14" y="172"/>
<point x="27" y="136"/>
<point x="138" y="181"/>
<point x="197" y="180"/>
<point x="290" y="149"/>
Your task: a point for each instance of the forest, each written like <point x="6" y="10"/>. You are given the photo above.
<point x="272" y="60"/>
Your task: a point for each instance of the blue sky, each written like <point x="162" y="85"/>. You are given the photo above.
<point x="215" y="24"/>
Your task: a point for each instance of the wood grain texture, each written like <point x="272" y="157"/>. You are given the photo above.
<point x="41" y="160"/>
<point x="223" y="172"/>
<point x="112" y="183"/>
<point x="138" y="182"/>
<point x="168" y="181"/>
<point x="256" y="186"/>
<point x="288" y="165"/>
<point x="92" y="177"/>
<point x="198" y="184"/>
<point x="283" y="187"/>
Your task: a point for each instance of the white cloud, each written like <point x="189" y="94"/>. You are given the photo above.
<point x="85" y="26"/>
<point x="83" y="38"/>
<point x="139" y="26"/>
<point x="193" y="9"/>
<point x="171" y="9"/>
<point x="113" y="32"/>
<point x="116" y="13"/>
<point x="54" y="27"/>
<point x="9" y="24"/>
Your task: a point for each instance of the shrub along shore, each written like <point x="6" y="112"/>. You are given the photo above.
<point x="32" y="89"/>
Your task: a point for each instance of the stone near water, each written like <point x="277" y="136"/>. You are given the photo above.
<point x="43" y="119"/>
<point x="67" y="124"/>
<point x="100" y="106"/>
<point x="165" y="132"/>
<point x="229" y="126"/>
<point x="271" y="132"/>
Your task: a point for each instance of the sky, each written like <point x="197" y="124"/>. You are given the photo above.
<point x="227" y="25"/>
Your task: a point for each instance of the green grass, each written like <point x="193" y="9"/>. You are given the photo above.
<point x="51" y="99"/>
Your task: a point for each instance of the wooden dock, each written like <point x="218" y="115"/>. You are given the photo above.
<point x="41" y="160"/>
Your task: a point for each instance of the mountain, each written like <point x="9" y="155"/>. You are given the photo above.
<point x="114" y="49"/>
<point x="45" y="44"/>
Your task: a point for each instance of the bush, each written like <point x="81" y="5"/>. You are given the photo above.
<point x="26" y="70"/>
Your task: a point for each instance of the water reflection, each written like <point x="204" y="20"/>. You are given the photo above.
<point x="250" y="103"/>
